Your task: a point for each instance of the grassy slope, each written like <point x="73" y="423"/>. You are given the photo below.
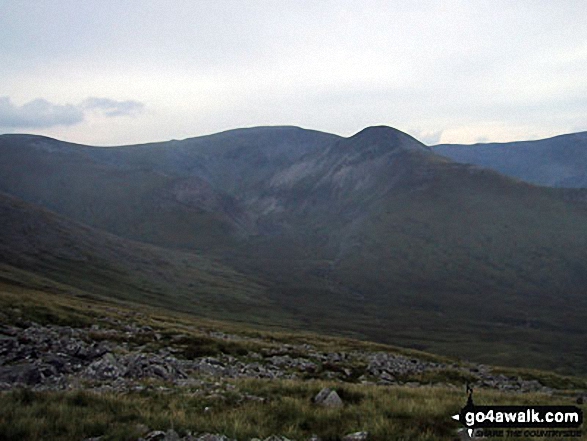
<point x="39" y="248"/>
<point x="387" y="413"/>
<point x="480" y="273"/>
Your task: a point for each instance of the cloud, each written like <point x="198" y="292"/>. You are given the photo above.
<point x="112" y="108"/>
<point x="40" y="113"/>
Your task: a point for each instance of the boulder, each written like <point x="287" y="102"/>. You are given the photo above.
<point x="212" y="437"/>
<point x="357" y="436"/>
<point x="156" y="435"/>
<point x="328" y="398"/>
<point x="23" y="373"/>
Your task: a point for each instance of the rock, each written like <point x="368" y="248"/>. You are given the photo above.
<point x="171" y="435"/>
<point x="105" y="368"/>
<point x="211" y="437"/>
<point x="357" y="436"/>
<point x="24" y="373"/>
<point x="320" y="396"/>
<point x="155" y="435"/>
<point x="328" y="398"/>
<point x="159" y="435"/>
<point x="386" y="378"/>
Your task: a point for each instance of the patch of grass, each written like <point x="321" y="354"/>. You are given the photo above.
<point x="548" y="379"/>
<point x="201" y="346"/>
<point x="387" y="413"/>
<point x="450" y="376"/>
<point x="18" y="304"/>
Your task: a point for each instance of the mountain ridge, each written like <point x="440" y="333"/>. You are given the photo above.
<point x="375" y="235"/>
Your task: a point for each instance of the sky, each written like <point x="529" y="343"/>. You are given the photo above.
<point x="105" y="72"/>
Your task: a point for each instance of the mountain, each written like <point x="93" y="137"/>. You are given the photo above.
<point x="176" y="194"/>
<point x="560" y="161"/>
<point x="136" y="202"/>
<point x="42" y="249"/>
<point x="235" y="160"/>
<point x="374" y="236"/>
<point x="426" y="252"/>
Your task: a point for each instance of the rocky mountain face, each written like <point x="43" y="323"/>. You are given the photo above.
<point x="374" y="235"/>
<point x="555" y="162"/>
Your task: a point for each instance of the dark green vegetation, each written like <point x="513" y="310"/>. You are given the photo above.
<point x="560" y="161"/>
<point x="283" y="407"/>
<point x="373" y="236"/>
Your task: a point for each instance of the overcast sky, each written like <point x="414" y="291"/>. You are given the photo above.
<point x="107" y="72"/>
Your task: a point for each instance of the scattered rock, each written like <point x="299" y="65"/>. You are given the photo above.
<point x="156" y="435"/>
<point x="357" y="436"/>
<point x="212" y="437"/>
<point x="112" y="355"/>
<point x="386" y="378"/>
<point x="171" y="435"/>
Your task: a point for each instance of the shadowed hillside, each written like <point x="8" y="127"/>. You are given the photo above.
<point x="373" y="236"/>
<point x="43" y="250"/>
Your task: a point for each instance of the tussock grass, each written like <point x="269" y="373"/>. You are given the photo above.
<point x="387" y="413"/>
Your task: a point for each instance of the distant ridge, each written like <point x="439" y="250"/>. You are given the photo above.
<point x="560" y="161"/>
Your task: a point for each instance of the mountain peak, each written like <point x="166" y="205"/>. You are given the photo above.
<point x="386" y="137"/>
<point x="380" y="130"/>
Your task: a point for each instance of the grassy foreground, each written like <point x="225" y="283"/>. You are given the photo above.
<point x="270" y="407"/>
<point x="387" y="413"/>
